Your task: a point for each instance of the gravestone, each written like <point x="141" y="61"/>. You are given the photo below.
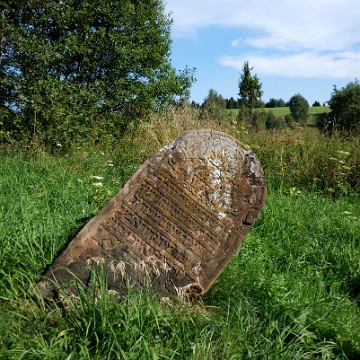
<point x="174" y="225"/>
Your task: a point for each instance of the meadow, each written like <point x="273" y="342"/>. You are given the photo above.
<point x="286" y="111"/>
<point x="292" y="291"/>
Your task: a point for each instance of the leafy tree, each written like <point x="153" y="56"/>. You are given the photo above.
<point x="214" y="106"/>
<point x="299" y="108"/>
<point x="249" y="91"/>
<point x="345" y="107"/>
<point x="215" y="99"/>
<point x="316" y="103"/>
<point x="70" y="67"/>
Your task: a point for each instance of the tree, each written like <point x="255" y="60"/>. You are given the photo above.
<point x="214" y="99"/>
<point x="249" y="88"/>
<point x="316" y="103"/>
<point x="345" y="107"/>
<point x="231" y="103"/>
<point x="272" y="103"/>
<point x="194" y="104"/>
<point x="214" y="106"/>
<point x="68" y="67"/>
<point x="299" y="108"/>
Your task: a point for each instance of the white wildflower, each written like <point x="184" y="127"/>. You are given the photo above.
<point x="58" y="145"/>
<point x="347" y="212"/>
<point x="98" y="184"/>
<point x="96" y="177"/>
<point x="343" y="152"/>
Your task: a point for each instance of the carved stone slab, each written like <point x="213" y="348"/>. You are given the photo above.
<point x="175" y="224"/>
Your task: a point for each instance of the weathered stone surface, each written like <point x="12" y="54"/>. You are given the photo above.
<point x="175" y="224"/>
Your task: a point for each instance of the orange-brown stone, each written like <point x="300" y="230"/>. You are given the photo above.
<point x="175" y="224"/>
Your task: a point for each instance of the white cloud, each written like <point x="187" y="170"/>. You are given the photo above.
<point x="319" y="24"/>
<point x="305" y="64"/>
<point x="311" y="38"/>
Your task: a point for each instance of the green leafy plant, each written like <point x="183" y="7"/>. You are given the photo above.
<point x="213" y="107"/>
<point x="345" y="108"/>
<point x="299" y="108"/>
<point x="76" y="69"/>
<point x="274" y="122"/>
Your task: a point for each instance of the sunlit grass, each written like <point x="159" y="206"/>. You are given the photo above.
<point x="292" y="290"/>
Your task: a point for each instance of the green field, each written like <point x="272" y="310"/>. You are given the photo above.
<point x="285" y="110"/>
<point x="291" y="292"/>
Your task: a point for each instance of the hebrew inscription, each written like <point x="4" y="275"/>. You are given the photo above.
<point x="175" y="224"/>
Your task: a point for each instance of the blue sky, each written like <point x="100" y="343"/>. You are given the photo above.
<point x="294" y="47"/>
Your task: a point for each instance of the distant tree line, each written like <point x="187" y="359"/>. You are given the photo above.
<point x="272" y="103"/>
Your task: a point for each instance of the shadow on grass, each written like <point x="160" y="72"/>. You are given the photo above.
<point x="74" y="230"/>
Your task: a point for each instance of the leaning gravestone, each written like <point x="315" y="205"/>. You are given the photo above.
<point x="175" y="224"/>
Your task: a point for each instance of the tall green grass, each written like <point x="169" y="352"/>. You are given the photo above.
<point x="291" y="291"/>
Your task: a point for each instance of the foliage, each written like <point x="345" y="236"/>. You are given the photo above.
<point x="257" y="118"/>
<point x="316" y="103"/>
<point x="289" y="120"/>
<point x="249" y="91"/>
<point x="74" y="68"/>
<point x="214" y="106"/>
<point x="194" y="104"/>
<point x="345" y="108"/>
<point x="214" y="99"/>
<point x="232" y="103"/>
<point x="299" y="108"/>
<point x="274" y="122"/>
<point x="273" y="103"/>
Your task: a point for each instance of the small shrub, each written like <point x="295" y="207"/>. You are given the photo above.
<point x="290" y="122"/>
<point x="274" y="122"/>
<point x="299" y="108"/>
